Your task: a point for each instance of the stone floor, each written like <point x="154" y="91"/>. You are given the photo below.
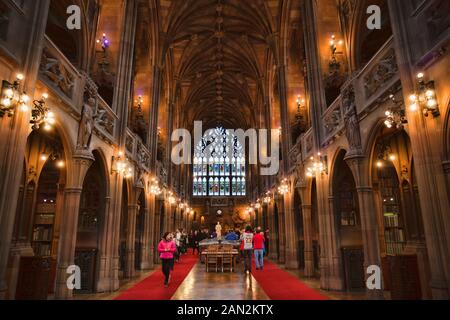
<point x="200" y="285"/>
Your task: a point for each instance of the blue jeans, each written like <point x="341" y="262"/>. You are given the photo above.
<point x="259" y="258"/>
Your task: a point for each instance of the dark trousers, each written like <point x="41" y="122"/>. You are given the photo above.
<point x="248" y="260"/>
<point x="195" y="248"/>
<point x="167" y="267"/>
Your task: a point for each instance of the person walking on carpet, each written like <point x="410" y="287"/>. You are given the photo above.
<point x="247" y="246"/>
<point x="167" y="249"/>
<point x="258" y="246"/>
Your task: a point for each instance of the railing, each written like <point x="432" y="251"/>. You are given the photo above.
<point x="378" y="79"/>
<point x="70" y="85"/>
<point x="333" y="120"/>
<point x="61" y="76"/>
<point x="307" y="144"/>
<point x="137" y="151"/>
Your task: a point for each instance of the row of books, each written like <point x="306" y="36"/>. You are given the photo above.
<point x="394" y="235"/>
<point x="42" y="233"/>
<point x="393" y="248"/>
<point x="42" y="250"/>
<point x="391" y="221"/>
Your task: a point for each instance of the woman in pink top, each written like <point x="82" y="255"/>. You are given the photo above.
<point x="166" y="249"/>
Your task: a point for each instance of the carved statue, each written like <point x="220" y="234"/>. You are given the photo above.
<point x="86" y="125"/>
<point x="351" y="120"/>
<point x="219" y="230"/>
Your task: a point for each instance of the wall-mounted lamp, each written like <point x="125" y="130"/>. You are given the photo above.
<point x="425" y="97"/>
<point x="104" y="42"/>
<point x="317" y="166"/>
<point x="41" y="114"/>
<point x="334" y="43"/>
<point x="13" y="97"/>
<point x="154" y="187"/>
<point x="284" y="187"/>
<point x="395" y="117"/>
<point x="267" y="199"/>
<point x="121" y="166"/>
<point x="172" y="200"/>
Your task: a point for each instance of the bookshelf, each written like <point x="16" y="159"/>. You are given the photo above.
<point x="42" y="236"/>
<point x="394" y="231"/>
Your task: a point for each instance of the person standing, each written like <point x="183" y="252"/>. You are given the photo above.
<point x="196" y="242"/>
<point x="247" y="240"/>
<point x="166" y="249"/>
<point x="178" y="243"/>
<point x="258" y="247"/>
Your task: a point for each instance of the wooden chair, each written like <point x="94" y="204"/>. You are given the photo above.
<point x="212" y="258"/>
<point x="227" y="259"/>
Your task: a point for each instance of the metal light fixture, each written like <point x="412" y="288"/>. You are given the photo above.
<point x="121" y="166"/>
<point x="267" y="199"/>
<point x="317" y="166"/>
<point x="12" y="97"/>
<point x="334" y="63"/>
<point x="104" y="42"/>
<point x="41" y="114"/>
<point x="395" y="116"/>
<point x="284" y="187"/>
<point x="171" y="198"/>
<point x="154" y="187"/>
<point x="425" y="97"/>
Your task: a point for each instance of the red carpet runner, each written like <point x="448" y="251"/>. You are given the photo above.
<point x="152" y="288"/>
<point x="280" y="285"/>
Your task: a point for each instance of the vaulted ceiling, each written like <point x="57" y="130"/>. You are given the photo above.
<point x="218" y="56"/>
<point x="218" y="50"/>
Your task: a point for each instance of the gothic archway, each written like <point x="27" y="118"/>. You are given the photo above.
<point x="348" y="224"/>
<point x="91" y="225"/>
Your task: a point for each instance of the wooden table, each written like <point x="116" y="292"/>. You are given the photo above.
<point x="234" y="253"/>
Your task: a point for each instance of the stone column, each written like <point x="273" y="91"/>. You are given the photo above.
<point x="281" y="231"/>
<point x="291" y="236"/>
<point x="103" y="283"/>
<point x="273" y="234"/>
<point x="360" y="167"/>
<point x="122" y="98"/>
<point x="76" y="172"/>
<point x="14" y="132"/>
<point x="426" y="135"/>
<point x="331" y="275"/>
<point x="148" y="243"/>
<point x="113" y="222"/>
<point x="131" y="238"/>
<point x="307" y="232"/>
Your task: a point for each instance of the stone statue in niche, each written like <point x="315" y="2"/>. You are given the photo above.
<point x="86" y="125"/>
<point x="351" y="120"/>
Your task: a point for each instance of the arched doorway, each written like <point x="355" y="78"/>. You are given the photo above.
<point x="38" y="215"/>
<point x="91" y="225"/>
<point x="348" y="223"/>
<point x="402" y="238"/>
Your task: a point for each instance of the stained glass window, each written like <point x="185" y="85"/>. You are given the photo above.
<point x="219" y="165"/>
